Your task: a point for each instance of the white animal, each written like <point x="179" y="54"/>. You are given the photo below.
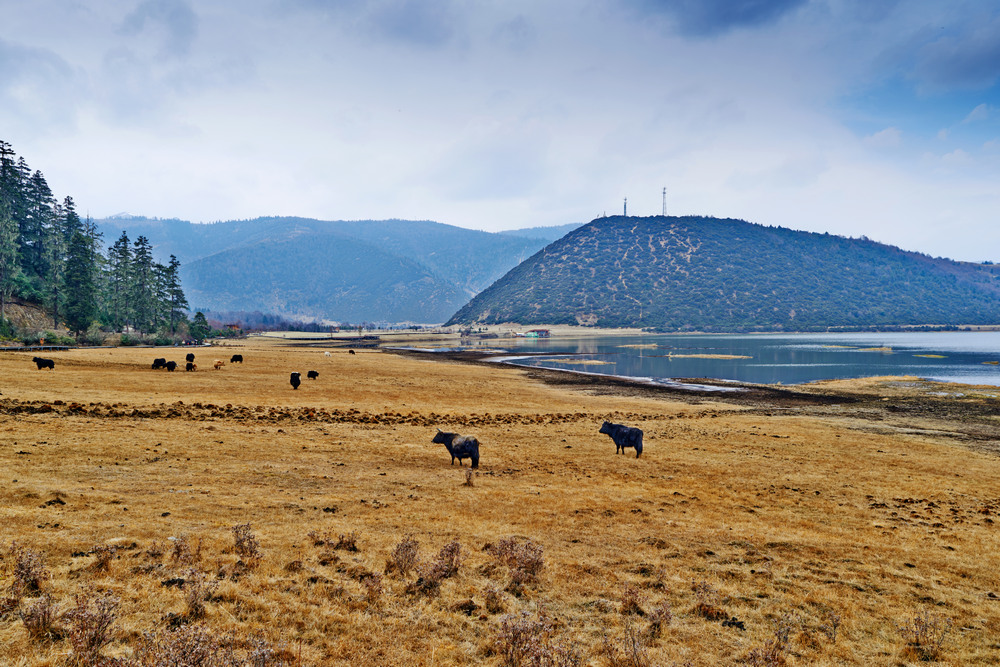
<point x="326" y="354"/>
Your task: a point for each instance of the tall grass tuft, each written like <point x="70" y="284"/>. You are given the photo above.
<point x="90" y="625"/>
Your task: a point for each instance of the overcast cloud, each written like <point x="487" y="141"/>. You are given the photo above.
<point x="848" y="116"/>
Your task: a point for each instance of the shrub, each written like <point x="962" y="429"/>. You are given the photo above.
<point x="924" y="635"/>
<point x="527" y="641"/>
<point x="187" y="646"/>
<point x="830" y="624"/>
<point x="707" y="601"/>
<point x="630" y="652"/>
<point x="774" y="650"/>
<point x="39" y="618"/>
<point x="183" y="553"/>
<point x="632" y="601"/>
<point x="524" y="559"/>
<point x="103" y="555"/>
<point x="197" y="589"/>
<point x="493" y="599"/>
<point x="28" y="570"/>
<point x="347" y="542"/>
<point x="246" y="545"/>
<point x="660" y="618"/>
<point x="90" y="625"/>
<point x="469" y="478"/>
<point x="403" y="557"/>
<point x="373" y="589"/>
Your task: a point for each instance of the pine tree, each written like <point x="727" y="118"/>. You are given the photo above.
<point x="81" y="291"/>
<point x="142" y="292"/>
<point x="178" y="304"/>
<point x="118" y="284"/>
<point x="8" y="254"/>
<point x="200" y="328"/>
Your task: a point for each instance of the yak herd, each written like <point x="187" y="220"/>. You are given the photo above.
<point x="459" y="446"/>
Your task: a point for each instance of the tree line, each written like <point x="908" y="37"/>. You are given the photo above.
<point x="51" y="256"/>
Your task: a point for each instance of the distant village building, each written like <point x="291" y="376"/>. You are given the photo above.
<point x="536" y="333"/>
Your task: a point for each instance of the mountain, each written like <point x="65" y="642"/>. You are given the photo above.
<point x="709" y="274"/>
<point x="376" y="270"/>
<point x="544" y="233"/>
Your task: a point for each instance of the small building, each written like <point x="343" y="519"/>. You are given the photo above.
<point x="537" y="333"/>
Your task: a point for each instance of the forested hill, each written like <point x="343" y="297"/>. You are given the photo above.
<point x="346" y="270"/>
<point x="710" y="274"/>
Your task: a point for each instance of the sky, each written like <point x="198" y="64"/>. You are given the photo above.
<point x="877" y="118"/>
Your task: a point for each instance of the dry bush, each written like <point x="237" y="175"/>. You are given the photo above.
<point x="103" y="555"/>
<point x="707" y="601"/>
<point x="924" y="635"/>
<point x="524" y="560"/>
<point x="246" y="545"/>
<point x="523" y="641"/>
<point x="27" y="570"/>
<point x="403" y="557"/>
<point x="347" y="542"/>
<point x="373" y="589"/>
<point x="197" y="589"/>
<point x="493" y="599"/>
<point x="774" y="650"/>
<point x="39" y="618"/>
<point x="661" y="617"/>
<point x="183" y="553"/>
<point x="830" y="625"/>
<point x="90" y="625"/>
<point x="632" y="601"/>
<point x="469" y="478"/>
<point x="630" y="651"/>
<point x="187" y="646"/>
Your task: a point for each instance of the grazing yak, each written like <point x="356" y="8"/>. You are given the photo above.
<point x="624" y="436"/>
<point x="295" y="380"/>
<point x="219" y="363"/>
<point x="236" y="359"/>
<point x="159" y="363"/>
<point x="171" y="366"/>
<point x="350" y="352"/>
<point x="191" y="366"/>
<point x="190" y="357"/>
<point x="312" y="375"/>
<point x="44" y="363"/>
<point x="459" y="446"/>
<point x="326" y="354"/>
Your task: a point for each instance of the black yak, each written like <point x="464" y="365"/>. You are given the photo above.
<point x="236" y="359"/>
<point x="459" y="446"/>
<point x="44" y="363"/>
<point x="350" y="352"/>
<point x="191" y="366"/>
<point x="295" y="380"/>
<point x="190" y="357"/>
<point x="159" y="363"/>
<point x="624" y="436"/>
<point x="171" y="366"/>
<point x="312" y="375"/>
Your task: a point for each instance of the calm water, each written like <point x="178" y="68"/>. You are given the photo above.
<point x="774" y="358"/>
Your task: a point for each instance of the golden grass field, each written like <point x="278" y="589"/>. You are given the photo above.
<point x="821" y="528"/>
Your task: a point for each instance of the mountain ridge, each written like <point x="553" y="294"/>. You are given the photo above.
<point x="698" y="273"/>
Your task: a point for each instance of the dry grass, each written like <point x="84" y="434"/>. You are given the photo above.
<point x="259" y="522"/>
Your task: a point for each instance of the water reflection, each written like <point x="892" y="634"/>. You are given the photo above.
<point x="772" y="359"/>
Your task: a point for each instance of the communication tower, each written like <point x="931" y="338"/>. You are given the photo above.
<point x="664" y="202"/>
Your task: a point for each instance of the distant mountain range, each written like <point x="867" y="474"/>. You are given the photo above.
<point x="709" y="274"/>
<point x="374" y="270"/>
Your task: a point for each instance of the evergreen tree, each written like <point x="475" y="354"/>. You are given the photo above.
<point x="177" y="301"/>
<point x="8" y="254"/>
<point x="119" y="283"/>
<point x="200" y="328"/>
<point x="142" y="292"/>
<point x="55" y="262"/>
<point x="81" y="291"/>
<point x="36" y="227"/>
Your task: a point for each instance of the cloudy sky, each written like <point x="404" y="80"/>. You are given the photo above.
<point x="856" y="117"/>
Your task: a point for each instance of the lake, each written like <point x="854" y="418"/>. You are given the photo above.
<point x="960" y="356"/>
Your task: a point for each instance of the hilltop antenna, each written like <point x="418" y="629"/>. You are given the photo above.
<point x="625" y="212"/>
<point x="664" y="202"/>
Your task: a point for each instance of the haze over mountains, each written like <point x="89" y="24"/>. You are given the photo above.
<point x="366" y="270"/>
<point x="710" y="274"/>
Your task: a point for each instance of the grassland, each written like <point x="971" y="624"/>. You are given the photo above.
<point x="850" y="524"/>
